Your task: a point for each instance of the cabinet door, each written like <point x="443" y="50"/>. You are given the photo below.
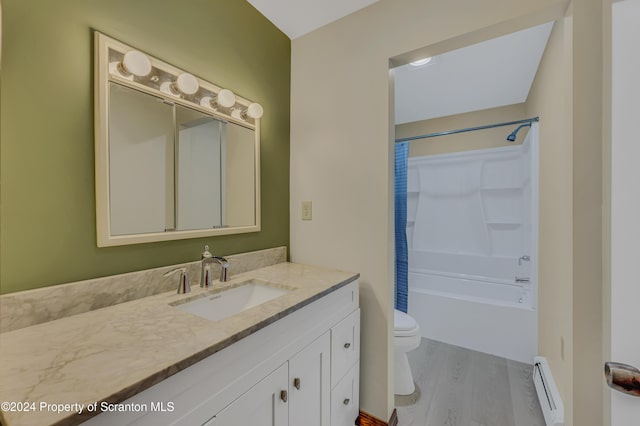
<point x="309" y="384"/>
<point x="265" y="404"/>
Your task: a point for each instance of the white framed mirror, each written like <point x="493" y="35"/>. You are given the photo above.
<point x="176" y="156"/>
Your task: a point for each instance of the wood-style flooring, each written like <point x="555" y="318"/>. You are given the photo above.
<point x="461" y="387"/>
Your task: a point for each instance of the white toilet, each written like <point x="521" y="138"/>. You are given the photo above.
<point x="406" y="338"/>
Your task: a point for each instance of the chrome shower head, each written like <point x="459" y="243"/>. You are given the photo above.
<point x="512" y="135"/>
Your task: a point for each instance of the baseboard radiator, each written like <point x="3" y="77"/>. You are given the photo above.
<point x="548" y="395"/>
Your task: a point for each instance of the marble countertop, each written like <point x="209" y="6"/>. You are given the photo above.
<point x="111" y="354"/>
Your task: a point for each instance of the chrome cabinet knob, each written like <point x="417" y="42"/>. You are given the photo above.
<point x="347" y="345"/>
<point x="346" y="401"/>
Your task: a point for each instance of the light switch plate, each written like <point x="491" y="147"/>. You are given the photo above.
<point x="306" y="210"/>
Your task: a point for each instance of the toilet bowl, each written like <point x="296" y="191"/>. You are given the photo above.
<point x="406" y="338"/>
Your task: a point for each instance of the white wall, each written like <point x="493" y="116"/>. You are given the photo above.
<point x="625" y="203"/>
<point x="550" y="98"/>
<point x="341" y="146"/>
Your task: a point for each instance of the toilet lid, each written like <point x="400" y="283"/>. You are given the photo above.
<point x="404" y="324"/>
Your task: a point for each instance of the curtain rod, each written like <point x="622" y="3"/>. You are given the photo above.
<point x="468" y="129"/>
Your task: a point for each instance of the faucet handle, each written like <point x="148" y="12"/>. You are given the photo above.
<point x="205" y="268"/>
<point x="205" y="275"/>
<point x="224" y="268"/>
<point x="183" y="284"/>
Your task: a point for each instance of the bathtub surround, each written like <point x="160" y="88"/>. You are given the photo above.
<point x="476" y="203"/>
<point x="472" y="238"/>
<point x="47" y="153"/>
<point x="27" y="308"/>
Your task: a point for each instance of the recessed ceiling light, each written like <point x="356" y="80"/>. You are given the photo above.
<point x="420" y="62"/>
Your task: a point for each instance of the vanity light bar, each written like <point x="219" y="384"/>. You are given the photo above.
<point x="139" y="70"/>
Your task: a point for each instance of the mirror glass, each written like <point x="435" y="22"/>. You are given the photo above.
<point x="140" y="162"/>
<point x="199" y="151"/>
<point x="173" y="168"/>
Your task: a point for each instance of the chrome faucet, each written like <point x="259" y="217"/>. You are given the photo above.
<point x="183" y="280"/>
<point x="207" y="260"/>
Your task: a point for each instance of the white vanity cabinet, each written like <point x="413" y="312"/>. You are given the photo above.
<point x="301" y="370"/>
<point x="297" y="393"/>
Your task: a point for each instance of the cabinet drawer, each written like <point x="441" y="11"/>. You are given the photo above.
<point x="345" y="398"/>
<point x="345" y="346"/>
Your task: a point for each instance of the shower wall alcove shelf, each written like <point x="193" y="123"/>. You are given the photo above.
<point x="176" y="156"/>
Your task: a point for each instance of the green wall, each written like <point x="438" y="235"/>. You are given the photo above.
<point x="47" y="210"/>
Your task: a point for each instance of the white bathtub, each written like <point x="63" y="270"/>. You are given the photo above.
<point x="491" y="315"/>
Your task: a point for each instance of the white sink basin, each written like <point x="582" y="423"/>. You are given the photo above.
<point x="221" y="305"/>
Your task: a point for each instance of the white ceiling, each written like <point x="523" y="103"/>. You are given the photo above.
<point x="491" y="74"/>
<point x="298" y="17"/>
<point x="494" y="73"/>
